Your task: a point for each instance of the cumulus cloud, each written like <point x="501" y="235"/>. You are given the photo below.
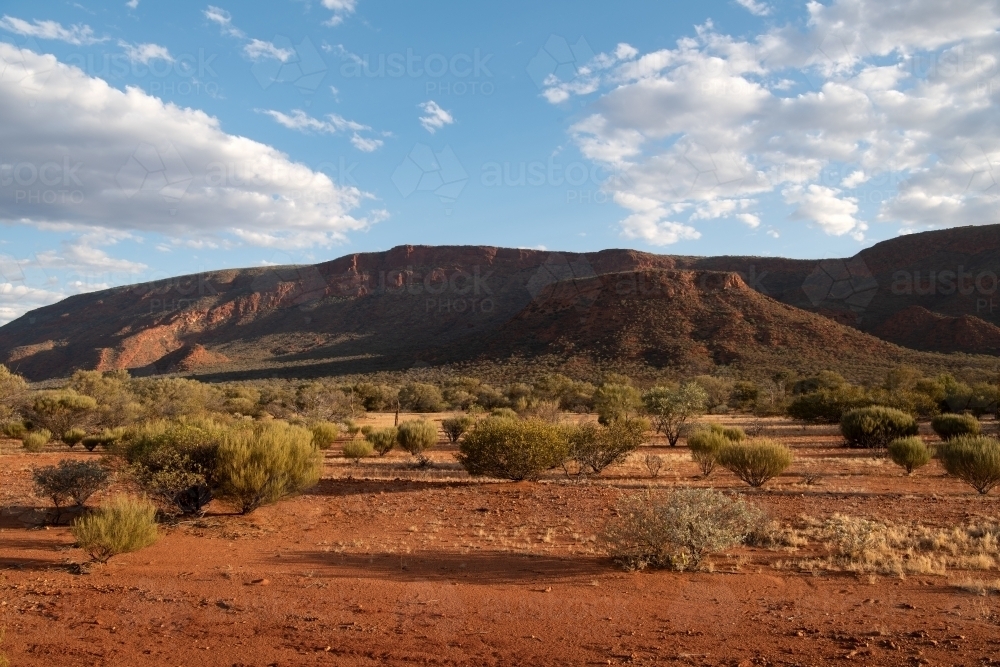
<point x="258" y="49"/>
<point x="331" y="124"/>
<point x="80" y="35"/>
<point x="82" y="155"/>
<point x="132" y="4"/>
<point x="341" y="10"/>
<point x="894" y="101"/>
<point x="754" y="7"/>
<point x="434" y="117"/>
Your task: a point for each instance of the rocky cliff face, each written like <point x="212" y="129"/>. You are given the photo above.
<point x="370" y="311"/>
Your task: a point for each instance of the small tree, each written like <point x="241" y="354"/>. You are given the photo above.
<point x="950" y="426"/>
<point x="357" y="450"/>
<point x="70" y="481"/>
<point x="909" y="453"/>
<point x="325" y="434"/>
<point x="513" y="449"/>
<point x="416" y="437"/>
<point x="596" y="447"/>
<point x="875" y="427"/>
<point x="654" y="464"/>
<point x="59" y="411"/>
<point x="383" y="439"/>
<point x="456" y="427"/>
<point x="705" y="446"/>
<point x="73" y="436"/>
<point x="420" y="397"/>
<point x="123" y="525"/>
<point x="261" y="465"/>
<point x="755" y="462"/>
<point x="616" y="402"/>
<point x="677" y="529"/>
<point x="973" y="459"/>
<point x="671" y="409"/>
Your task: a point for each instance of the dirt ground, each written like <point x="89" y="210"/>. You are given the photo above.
<point x="384" y="563"/>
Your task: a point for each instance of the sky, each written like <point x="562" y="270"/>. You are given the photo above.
<point x="144" y="139"/>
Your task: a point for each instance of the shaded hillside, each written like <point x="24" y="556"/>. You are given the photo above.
<point x="919" y="327"/>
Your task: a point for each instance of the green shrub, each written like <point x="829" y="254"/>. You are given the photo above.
<point x="35" y="441"/>
<point x="60" y="411"/>
<point x="672" y="408"/>
<point x="828" y="404"/>
<point x="366" y="429"/>
<point x="416" y="437"/>
<point x="876" y="426"/>
<point x="107" y="439"/>
<point x="973" y="459"/>
<point x="73" y="436"/>
<point x="513" y="449"/>
<point x="909" y="453"/>
<point x="596" y="447"/>
<point x="705" y="446"/>
<point x="123" y="525"/>
<point x="70" y="481"/>
<point x="15" y="430"/>
<point x="456" y="427"/>
<point x="325" y="434"/>
<point x="677" y="529"/>
<point x="420" y="397"/>
<point x="357" y="450"/>
<point x="731" y="433"/>
<point x="265" y="463"/>
<point x="949" y="426"/>
<point x="383" y="439"/>
<point x="503" y="413"/>
<point x="616" y="402"/>
<point x="755" y="462"/>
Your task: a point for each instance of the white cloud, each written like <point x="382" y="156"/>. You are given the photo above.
<point x="143" y="53"/>
<point x="132" y="4"/>
<point x="754" y="7"/>
<point x="434" y="117"/>
<point x="332" y="124"/>
<point x="75" y="34"/>
<point x="95" y="158"/>
<point x="225" y="21"/>
<point x="258" y="49"/>
<point x="894" y="100"/>
<point x="341" y="10"/>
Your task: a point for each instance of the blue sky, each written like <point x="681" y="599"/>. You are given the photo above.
<point x="142" y="139"/>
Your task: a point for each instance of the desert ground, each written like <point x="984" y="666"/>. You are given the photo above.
<point x="387" y="563"/>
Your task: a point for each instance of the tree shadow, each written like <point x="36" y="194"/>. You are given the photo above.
<point x="487" y="568"/>
<point x="354" y="487"/>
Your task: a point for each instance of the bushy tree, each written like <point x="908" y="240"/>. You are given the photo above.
<point x="973" y="459"/>
<point x="325" y="434"/>
<point x="13" y="393"/>
<point x="416" y="437"/>
<point x="755" y="462"/>
<point x="35" y="441"/>
<point x="677" y="529"/>
<point x="672" y="408"/>
<point x="171" y="398"/>
<point x="594" y="447"/>
<point x="455" y="427"/>
<point x="876" y="426"/>
<point x="322" y="401"/>
<point x="122" y="525"/>
<point x="383" y="439"/>
<point x="59" y="411"/>
<point x="513" y="449"/>
<point x="717" y="391"/>
<point x="705" y="445"/>
<point x="828" y="405"/>
<point x="949" y="426"/>
<point x="70" y="481"/>
<point x="117" y="405"/>
<point x="617" y="402"/>
<point x="74" y="436"/>
<point x="420" y="397"/>
<point x="266" y="462"/>
<point x="909" y="453"/>
<point x="376" y="397"/>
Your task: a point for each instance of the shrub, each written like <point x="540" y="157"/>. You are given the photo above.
<point x="513" y="449"/>
<point x="671" y="409"/>
<point x="755" y="462"/>
<point x="383" y="440"/>
<point x="60" y="411"/>
<point x="677" y="529"/>
<point x="265" y="463"/>
<point x="106" y="439"/>
<point x="15" y="430"/>
<point x="503" y="413"/>
<point x="950" y="426"/>
<point x="357" y="450"/>
<point x="875" y="427"/>
<point x="420" y="397"/>
<point x="705" y="446"/>
<point x="68" y="481"/>
<point x="597" y="447"/>
<point x="616" y="402"/>
<point x="416" y="437"/>
<point x="909" y="453"/>
<point x="123" y="525"/>
<point x="325" y="434"/>
<point x="654" y="464"/>
<point x="731" y="433"/>
<point x="828" y="404"/>
<point x="456" y="427"/>
<point x="973" y="459"/>
<point x="73" y="436"/>
<point x="351" y="427"/>
<point x="35" y="441"/>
